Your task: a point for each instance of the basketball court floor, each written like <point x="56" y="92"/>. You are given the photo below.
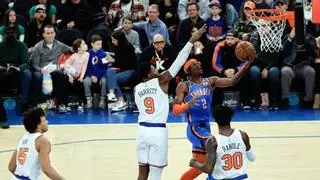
<point x="100" y="145"/>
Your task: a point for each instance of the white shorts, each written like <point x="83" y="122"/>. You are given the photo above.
<point x="152" y="146"/>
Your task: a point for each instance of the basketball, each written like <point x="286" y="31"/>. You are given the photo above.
<point x="245" y="51"/>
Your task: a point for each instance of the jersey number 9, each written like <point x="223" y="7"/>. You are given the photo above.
<point x="149" y="104"/>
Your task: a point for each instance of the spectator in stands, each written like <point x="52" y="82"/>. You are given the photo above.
<point x="45" y="52"/>
<point x="229" y="12"/>
<point x="75" y="68"/>
<point x="105" y="4"/>
<point x="50" y="10"/>
<point x="122" y="69"/>
<point x="236" y="4"/>
<point x="186" y="25"/>
<point x="203" y="54"/>
<point x="161" y="56"/>
<point x="243" y="26"/>
<point x="131" y="35"/>
<point x="154" y="25"/>
<point x="261" y="4"/>
<point x="266" y="66"/>
<point x="96" y="71"/>
<point x="291" y="5"/>
<point x="76" y="14"/>
<point x="146" y="3"/>
<point x="216" y="24"/>
<point x="10" y="20"/>
<point x="225" y="62"/>
<point x="168" y="15"/>
<point x="298" y="64"/>
<point x="202" y="8"/>
<point x="14" y="66"/>
<point x="283" y="6"/>
<point x="96" y="6"/>
<point x="122" y="8"/>
<point x="316" y="104"/>
<point x="34" y="32"/>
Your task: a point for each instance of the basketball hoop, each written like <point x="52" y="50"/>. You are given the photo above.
<point x="270" y="24"/>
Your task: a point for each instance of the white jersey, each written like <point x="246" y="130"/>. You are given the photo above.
<point x="152" y="102"/>
<point x="27" y="159"/>
<point x="231" y="158"/>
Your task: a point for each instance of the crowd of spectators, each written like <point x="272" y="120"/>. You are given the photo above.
<point x="103" y="41"/>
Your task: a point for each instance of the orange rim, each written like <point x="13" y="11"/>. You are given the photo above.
<point x="276" y="14"/>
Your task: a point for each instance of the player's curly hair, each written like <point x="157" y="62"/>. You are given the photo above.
<point x="32" y="118"/>
<point x="222" y="115"/>
<point x="143" y="70"/>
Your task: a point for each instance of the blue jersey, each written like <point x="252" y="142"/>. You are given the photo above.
<point x="200" y="112"/>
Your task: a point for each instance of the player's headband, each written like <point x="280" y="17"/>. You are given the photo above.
<point x="188" y="64"/>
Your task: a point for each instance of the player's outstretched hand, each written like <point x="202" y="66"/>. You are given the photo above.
<point x="196" y="35"/>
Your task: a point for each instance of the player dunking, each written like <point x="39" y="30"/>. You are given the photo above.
<point x="227" y="151"/>
<point x="32" y="153"/>
<point x="194" y="97"/>
<point x="151" y="99"/>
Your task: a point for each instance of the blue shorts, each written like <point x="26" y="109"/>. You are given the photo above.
<point x="198" y="133"/>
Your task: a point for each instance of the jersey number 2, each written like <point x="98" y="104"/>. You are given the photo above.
<point x="22" y="155"/>
<point x="149" y="104"/>
<point x="234" y="161"/>
<point x="204" y="103"/>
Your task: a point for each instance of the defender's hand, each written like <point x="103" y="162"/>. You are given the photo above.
<point x="198" y="33"/>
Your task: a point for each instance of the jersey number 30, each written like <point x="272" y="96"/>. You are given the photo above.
<point x="232" y="161"/>
<point x="149" y="104"/>
<point x="22" y="155"/>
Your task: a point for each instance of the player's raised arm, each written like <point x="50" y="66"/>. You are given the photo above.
<point x="44" y="147"/>
<point x="182" y="57"/>
<point x="251" y="155"/>
<point x="207" y="166"/>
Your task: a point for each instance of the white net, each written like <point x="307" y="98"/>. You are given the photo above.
<point x="270" y="31"/>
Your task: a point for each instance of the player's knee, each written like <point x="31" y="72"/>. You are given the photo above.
<point x="155" y="173"/>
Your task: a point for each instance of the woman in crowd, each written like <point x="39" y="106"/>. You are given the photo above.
<point x="10" y="20"/>
<point x="122" y="69"/>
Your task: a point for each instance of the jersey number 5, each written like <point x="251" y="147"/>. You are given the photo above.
<point x="149" y="104"/>
<point x="234" y="161"/>
<point x="22" y="155"/>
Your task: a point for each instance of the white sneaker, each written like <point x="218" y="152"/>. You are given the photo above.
<point x="120" y="106"/>
<point x="80" y="108"/>
<point x="112" y="97"/>
<point x="68" y="109"/>
<point x="62" y="109"/>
